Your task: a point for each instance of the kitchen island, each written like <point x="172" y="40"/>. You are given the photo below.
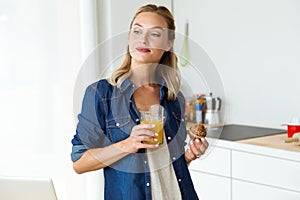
<point x="252" y="168"/>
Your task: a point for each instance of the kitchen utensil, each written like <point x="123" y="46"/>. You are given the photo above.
<point x="184" y="53"/>
<point x="295" y="138"/>
<point x="212" y="107"/>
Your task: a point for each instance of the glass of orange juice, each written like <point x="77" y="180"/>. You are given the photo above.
<point x="154" y="115"/>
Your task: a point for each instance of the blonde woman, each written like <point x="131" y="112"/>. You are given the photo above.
<point x="109" y="134"/>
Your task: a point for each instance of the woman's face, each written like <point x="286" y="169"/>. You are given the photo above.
<point x="148" y="38"/>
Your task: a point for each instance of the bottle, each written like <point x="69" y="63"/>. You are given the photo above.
<point x="199" y="108"/>
<point x="190" y="109"/>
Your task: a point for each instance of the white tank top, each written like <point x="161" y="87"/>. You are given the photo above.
<point x="164" y="185"/>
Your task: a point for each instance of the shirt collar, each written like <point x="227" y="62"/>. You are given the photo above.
<point x="129" y="87"/>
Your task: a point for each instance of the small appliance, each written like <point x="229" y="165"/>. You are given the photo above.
<point x="212" y="107"/>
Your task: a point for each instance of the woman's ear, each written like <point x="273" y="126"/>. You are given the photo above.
<point x="170" y="44"/>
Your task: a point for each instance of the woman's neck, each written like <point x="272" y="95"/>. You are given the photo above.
<point x="143" y="74"/>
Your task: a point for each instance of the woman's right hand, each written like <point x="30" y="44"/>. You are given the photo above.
<point x="139" y="134"/>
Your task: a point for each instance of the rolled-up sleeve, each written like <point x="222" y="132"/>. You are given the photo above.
<point x="89" y="132"/>
<point x="77" y="152"/>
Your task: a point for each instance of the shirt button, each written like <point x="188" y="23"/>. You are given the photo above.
<point x="182" y="120"/>
<point x="137" y="119"/>
<point x="174" y="158"/>
<point x="169" y="138"/>
<point x="148" y="184"/>
<point x="179" y="180"/>
<point x="117" y="124"/>
<point x="145" y="161"/>
<point x="133" y="86"/>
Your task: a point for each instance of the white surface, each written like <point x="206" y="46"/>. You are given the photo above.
<point x="266" y="170"/>
<point x="249" y="191"/>
<point x="255" y="46"/>
<point x="40" y="58"/>
<point x="210" y="187"/>
<point x="216" y="162"/>
<point x="271" y="172"/>
<point x="21" y="188"/>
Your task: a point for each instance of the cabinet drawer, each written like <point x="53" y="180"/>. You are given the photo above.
<point x="215" y="161"/>
<point x="211" y="186"/>
<point x="266" y="170"/>
<point x="249" y="191"/>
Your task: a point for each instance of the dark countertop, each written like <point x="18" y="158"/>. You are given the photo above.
<point x="234" y="132"/>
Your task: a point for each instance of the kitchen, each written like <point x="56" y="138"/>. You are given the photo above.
<point x="254" y="46"/>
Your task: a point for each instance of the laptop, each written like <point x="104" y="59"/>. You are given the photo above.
<point x="26" y="188"/>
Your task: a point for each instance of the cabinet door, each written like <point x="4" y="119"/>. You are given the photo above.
<point x="209" y="187"/>
<point x="249" y="191"/>
<point x="215" y="161"/>
<point x="266" y="170"/>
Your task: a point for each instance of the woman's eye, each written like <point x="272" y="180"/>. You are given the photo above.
<point x="155" y="34"/>
<point x="137" y="32"/>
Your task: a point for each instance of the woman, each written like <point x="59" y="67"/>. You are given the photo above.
<point x="109" y="134"/>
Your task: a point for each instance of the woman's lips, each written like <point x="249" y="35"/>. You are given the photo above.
<point x="143" y="50"/>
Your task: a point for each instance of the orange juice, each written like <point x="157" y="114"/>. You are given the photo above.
<point x="159" y="129"/>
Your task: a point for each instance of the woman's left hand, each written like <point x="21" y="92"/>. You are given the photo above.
<point x="195" y="149"/>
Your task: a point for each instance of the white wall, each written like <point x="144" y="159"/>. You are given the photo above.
<point x="255" y="45"/>
<point x="40" y="58"/>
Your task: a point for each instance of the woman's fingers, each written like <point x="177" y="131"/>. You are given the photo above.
<point x="144" y="135"/>
<point x="195" y="148"/>
<point x="141" y="134"/>
<point x="189" y="156"/>
<point x="198" y="147"/>
<point x="144" y="126"/>
<point x="204" y="142"/>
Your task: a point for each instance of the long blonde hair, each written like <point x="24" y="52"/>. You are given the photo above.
<point x="172" y="76"/>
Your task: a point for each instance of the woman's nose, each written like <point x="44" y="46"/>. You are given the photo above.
<point x="144" y="38"/>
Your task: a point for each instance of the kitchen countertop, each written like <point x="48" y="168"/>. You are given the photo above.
<point x="274" y="141"/>
<point x="271" y="144"/>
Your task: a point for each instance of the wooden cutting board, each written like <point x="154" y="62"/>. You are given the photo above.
<point x="274" y="141"/>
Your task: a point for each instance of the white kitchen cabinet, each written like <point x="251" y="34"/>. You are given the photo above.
<point x="211" y="174"/>
<point x="242" y="190"/>
<point x="237" y="171"/>
<point x="215" y="161"/>
<point x="267" y="170"/>
<point x="209" y="187"/>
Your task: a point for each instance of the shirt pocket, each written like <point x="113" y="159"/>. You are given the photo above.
<point x="119" y="128"/>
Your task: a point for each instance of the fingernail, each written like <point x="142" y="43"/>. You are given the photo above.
<point x="155" y="139"/>
<point x="157" y="145"/>
<point x="155" y="134"/>
<point x="152" y="125"/>
<point x="191" y="142"/>
<point x="197" y="140"/>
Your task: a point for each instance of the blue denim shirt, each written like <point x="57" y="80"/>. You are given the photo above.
<point x="108" y="115"/>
